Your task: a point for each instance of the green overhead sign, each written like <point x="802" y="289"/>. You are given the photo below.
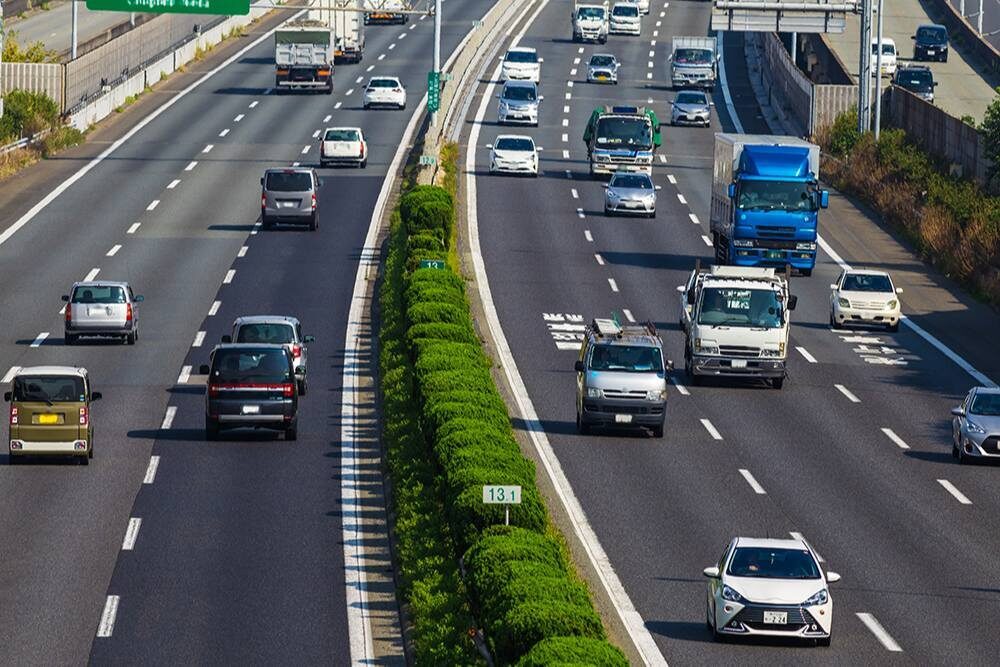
<point x="227" y="7"/>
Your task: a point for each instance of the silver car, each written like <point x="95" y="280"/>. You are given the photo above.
<point x="976" y="425"/>
<point x="691" y="107"/>
<point x="603" y="68"/>
<point x="289" y="195"/>
<point x="276" y="330"/>
<point x="101" y="308"/>
<point x="631" y="193"/>
<point x="518" y="103"/>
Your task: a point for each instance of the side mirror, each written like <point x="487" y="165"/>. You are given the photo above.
<point x="832" y="577"/>
<point x="262" y="180"/>
<point x="713" y="572"/>
<point x="833" y="286"/>
<point x="711" y="104"/>
<point x="718" y="57"/>
<point x="913" y="36"/>
<point x="541" y="97"/>
<point x="541" y="60"/>
<point x="731" y="191"/>
<point x="670" y="365"/>
<point x="308" y="339"/>
<point x="657" y="187"/>
<point x="139" y="299"/>
<point x="204" y="369"/>
<point x="490" y="146"/>
<point x="96" y="396"/>
<point x="824" y="198"/>
<point x="300" y="371"/>
<point x="65" y="297"/>
<point x="680" y="288"/>
<point x="899" y="290"/>
<point x="935" y="84"/>
<point x="498" y="96"/>
<point x="958" y="412"/>
<point x="227" y="339"/>
<point x="792" y="301"/>
<point x="6" y="396"/>
<point x="579" y="367"/>
<point x="605" y="185"/>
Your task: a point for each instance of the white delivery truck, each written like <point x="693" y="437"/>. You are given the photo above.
<point x="590" y="22"/>
<point x="303" y="55"/>
<point x="693" y="62"/>
<point x="385" y="11"/>
<point x="349" y="29"/>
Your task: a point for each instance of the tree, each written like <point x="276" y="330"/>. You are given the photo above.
<point x="34" y="53"/>
<point x="991" y="135"/>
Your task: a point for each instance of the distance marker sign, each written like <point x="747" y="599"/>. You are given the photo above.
<point x="227" y="7"/>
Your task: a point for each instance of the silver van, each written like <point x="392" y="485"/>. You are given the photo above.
<point x="289" y="196"/>
<point x="621" y="377"/>
<point x="277" y="330"/>
<point x="101" y="308"/>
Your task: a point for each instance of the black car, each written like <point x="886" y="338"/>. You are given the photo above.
<point x="251" y="386"/>
<point x="931" y="43"/>
<point x="918" y="79"/>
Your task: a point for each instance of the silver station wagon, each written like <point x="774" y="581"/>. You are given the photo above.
<point x="101" y="308"/>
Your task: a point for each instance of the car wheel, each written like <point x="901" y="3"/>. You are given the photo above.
<point x="83" y="460"/>
<point x="313" y="223"/>
<point x="266" y="222"/>
<point x="329" y="89"/>
<point x="366" y="106"/>
<point x="954" y="448"/>
<point x="893" y="327"/>
<point x="833" y="322"/>
<point x="131" y="338"/>
<point x="651" y="214"/>
<point x="581" y="427"/>
<point x="292" y="433"/>
<point x="70" y="339"/>
<point x="607" y="211"/>
<point x="211" y="429"/>
<point x="778" y="383"/>
<point x="825" y="641"/>
<point x="302" y="387"/>
<point x="658" y="431"/>
<point x="805" y="272"/>
<point x="963" y="458"/>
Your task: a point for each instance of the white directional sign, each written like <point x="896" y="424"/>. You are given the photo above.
<point x="782" y="15"/>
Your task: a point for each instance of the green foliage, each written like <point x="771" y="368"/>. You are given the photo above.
<point x="26" y="113"/>
<point x="573" y="651"/>
<point x="34" y="53"/>
<point x="991" y="133"/>
<point x="843" y="135"/>
<point x="60" y="138"/>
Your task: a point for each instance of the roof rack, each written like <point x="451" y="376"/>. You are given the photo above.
<point x="611" y="328"/>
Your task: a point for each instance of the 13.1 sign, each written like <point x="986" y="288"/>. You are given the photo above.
<point x="502" y="495"/>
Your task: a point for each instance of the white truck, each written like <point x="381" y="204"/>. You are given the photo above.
<point x="385" y="11"/>
<point x="349" y="29"/>
<point x="303" y="56"/>
<point x="590" y="22"/>
<point x="693" y="62"/>
<point x="735" y="321"/>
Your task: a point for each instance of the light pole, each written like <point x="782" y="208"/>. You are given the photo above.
<point x="437" y="53"/>
<point x="76" y="11"/>
<point x="878" y="74"/>
<point x="865" y="68"/>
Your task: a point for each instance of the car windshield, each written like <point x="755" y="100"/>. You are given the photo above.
<point x="739" y="307"/>
<point x="625" y="10"/>
<point x="932" y="35"/>
<point x="590" y="13"/>
<point x="283" y="181"/>
<point x="887" y="49"/>
<point x="265" y="333"/>
<point x="777" y="196"/>
<point x="920" y="80"/>
<point x="49" y="388"/>
<point x="632" y="132"/>
<point x="383" y="83"/>
<point x="864" y="282"/>
<point x="636" y="181"/>
<point x="512" y="144"/>
<point x="691" y="98"/>
<point x="766" y="563"/>
<point x="693" y="56"/>
<point x="260" y="365"/>
<point x="99" y="294"/>
<point x="521" y="57"/>
<point x="987" y="405"/>
<point x="602" y="61"/>
<point x="519" y="93"/>
<point x="626" y="359"/>
<point x="341" y="135"/>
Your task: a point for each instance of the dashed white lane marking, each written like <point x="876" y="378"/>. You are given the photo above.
<point x="243" y="251"/>
<point x="587" y="235"/>
<point x="572" y="72"/>
<point x="239" y="118"/>
<point x="381" y="56"/>
<point x="184" y="375"/>
<point x="295" y="164"/>
<point x="131" y="533"/>
<point x="191" y="165"/>
<point x="168" y="418"/>
<point x="305" y="149"/>
<point x="880" y="634"/>
<point x="208" y="148"/>
<point x="114" y="250"/>
<point x="224" y="132"/>
<point x="402" y="35"/>
<point x="565" y="154"/>
<point x="652" y="42"/>
<point x="600" y="260"/>
<point x="423" y="16"/>
<point x="565" y="122"/>
<point x="326" y="119"/>
<point x="230" y="274"/>
<point x="154" y="463"/>
<point x="680" y="388"/>
<point x="580" y="50"/>
<point x="628" y="314"/>
<point x="199" y="338"/>
<point x="663" y="159"/>
<point x="153" y="204"/>
<point x="359" y="79"/>
<point x="651" y="54"/>
<point x="576" y="61"/>
<point x="681" y="199"/>
<point x="656" y="33"/>
<point x="135" y="226"/>
<point x="93" y="274"/>
<point x="337" y="105"/>
<point x="316" y="134"/>
<point x="173" y="184"/>
<point x="707" y="240"/>
<point x="649" y="75"/>
<point x="889" y="433"/>
<point x="10" y="374"/>
<point x="565" y="137"/>
<point x="348" y="93"/>
<point x="565" y="108"/>
<point x="413" y="26"/>
<point x="576" y="195"/>
<point x="659" y="23"/>
<point x="694" y="218"/>
<point x="392" y="46"/>
<point x="662" y="14"/>
<point x="579" y="213"/>
<point x="370" y="68"/>
<point x="613" y="284"/>
<point x="569" y="96"/>
<point x="754" y="484"/>
<point x="799" y="536"/>
<point x="649" y="63"/>
<point x="253" y="104"/>
<point x="107" y="625"/>
<point x="805" y="353"/>
<point x="847" y="392"/>
<point x="712" y="431"/>
<point x="958" y="495"/>
<point x="569" y="84"/>
<point x="214" y="309"/>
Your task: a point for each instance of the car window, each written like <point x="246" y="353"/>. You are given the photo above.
<point x="626" y="359"/>
<point x="98" y="294"/>
<point x="519" y="93"/>
<point x="916" y="79"/>
<point x="767" y="563"/>
<point x="987" y="405"/>
<point x="590" y="13"/>
<point x="691" y="98"/>
<point x="521" y="57"/>
<point x="636" y="181"/>
<point x="265" y="333"/>
<point x="285" y="181"/>
<point x="862" y="282"/>
<point x="625" y="10"/>
<point x="693" y="56"/>
<point x="50" y="388"/>
<point x="244" y="365"/>
<point x="929" y="34"/>
<point x="602" y="61"/>
<point x="735" y="307"/>
<point x="511" y="144"/>
<point x="383" y="83"/>
<point x="341" y="135"/>
<point x="887" y="49"/>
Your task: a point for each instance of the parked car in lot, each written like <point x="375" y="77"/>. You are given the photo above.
<point x="518" y="103"/>
<point x="514" y="154"/>
<point x="343" y="146"/>
<point x="770" y="588"/>
<point x="976" y="425"/>
<point x="276" y="330"/>
<point x="251" y="385"/>
<point x="289" y="196"/>
<point x="630" y="193"/>
<point x="931" y="42"/>
<point x="50" y="413"/>
<point x="101" y="308"/>
<point x="862" y="296"/>
<point x="521" y="64"/>
<point x="918" y="79"/>
<point x="691" y="107"/>
<point x="384" y="91"/>
<point x="603" y="68"/>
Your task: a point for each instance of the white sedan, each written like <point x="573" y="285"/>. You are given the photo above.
<point x="343" y="145"/>
<point x="865" y="297"/>
<point x="384" y="91"/>
<point x="770" y="587"/>
<point x="514" y="154"/>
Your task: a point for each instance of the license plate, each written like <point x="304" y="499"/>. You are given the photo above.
<point x="631" y="204"/>
<point x="93" y="311"/>
<point x="776" y="617"/>
<point x="930" y="52"/>
<point x="775" y="254"/>
<point x="286" y="204"/>
<point x="739" y="363"/>
<point x="623" y="419"/>
<point x="48" y="419"/>
<point x="251" y="409"/>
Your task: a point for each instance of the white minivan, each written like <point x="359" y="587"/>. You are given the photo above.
<point x="888" y="56"/>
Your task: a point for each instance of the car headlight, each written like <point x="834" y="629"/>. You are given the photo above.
<point x="613" y="196"/>
<point x="706" y="347"/>
<point x="819" y="597"/>
<point x="729" y="593"/>
<point x="843" y="303"/>
<point x="973" y="427"/>
<point x="892" y="305"/>
<point x="656" y="395"/>
<point x="594" y="392"/>
<point x="770" y="353"/>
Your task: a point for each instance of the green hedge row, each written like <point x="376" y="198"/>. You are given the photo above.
<point x="531" y="607"/>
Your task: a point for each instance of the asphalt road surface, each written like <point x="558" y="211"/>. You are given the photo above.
<point x="991" y="17"/>
<point x="53" y="27"/>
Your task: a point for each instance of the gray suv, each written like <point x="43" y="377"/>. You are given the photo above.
<point x="289" y="196"/>
<point x="101" y="308"/>
<point x="621" y="377"/>
<point x="277" y="330"/>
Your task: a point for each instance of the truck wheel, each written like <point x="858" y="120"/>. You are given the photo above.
<point x="69" y="339"/>
<point x="806" y="272"/>
<point x="313" y="224"/>
<point x="658" y="431"/>
<point x="581" y="427"/>
<point x="211" y="429"/>
<point x="329" y="89"/>
<point x="292" y="433"/>
<point x="364" y="163"/>
<point x="778" y="383"/>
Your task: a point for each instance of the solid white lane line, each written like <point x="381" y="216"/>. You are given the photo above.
<point x="680" y="388"/>
<point x="707" y="240"/>
<point x="135" y="226"/>
<point x="805" y="353"/>
<point x="712" y="431"/>
<point x="600" y="260"/>
<point x="191" y="165"/>
<point x="847" y="392"/>
<point x="107" y="625"/>
<point x="184" y="375"/>
<point x="754" y="484"/>
<point x="40" y="339"/>
<point x="305" y="149"/>
<point x="694" y="218"/>
<point x="880" y="634"/>
<point x="199" y="338"/>
<point x="168" y="418"/>
<point x="733" y="116"/>
<point x="680" y="197"/>
<point x="214" y="309"/>
<point x="9" y="375"/>
<point x="579" y="213"/>
<point x="93" y="274"/>
<point x="326" y="119"/>
<point x="958" y="495"/>
<point x="587" y="235"/>
<point x="131" y="533"/>
<point x="799" y="536"/>
<point x="337" y="105"/>
<point x="230" y="274"/>
<point x="243" y="251"/>
<point x="153" y="204"/>
<point x="670" y="177"/>
<point x="565" y="154"/>
<point x="154" y="463"/>
<point x="628" y="314"/>
<point x="576" y="195"/>
<point x="316" y="134"/>
<point x="889" y="433"/>
<point x="359" y="79"/>
<point x="208" y="148"/>
<point x="114" y="250"/>
<point x="238" y="118"/>
<point x="224" y="132"/>
<point x="613" y="284"/>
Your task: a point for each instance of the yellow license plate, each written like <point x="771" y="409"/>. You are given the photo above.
<point x="48" y="419"/>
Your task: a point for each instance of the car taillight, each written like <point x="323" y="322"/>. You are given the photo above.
<point x="362" y="150"/>
<point x="83" y="416"/>
<point x="314" y="202"/>
<point x="213" y="390"/>
<point x="296" y="351"/>
<point x="13" y="414"/>
<point x="69" y="313"/>
<point x="288" y="390"/>
<point x="263" y="200"/>
<point x="128" y="312"/>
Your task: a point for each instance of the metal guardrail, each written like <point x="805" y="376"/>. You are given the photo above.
<point x="24" y="142"/>
<point x="967" y="37"/>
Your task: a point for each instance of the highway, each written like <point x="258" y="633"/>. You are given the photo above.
<point x="52" y="26"/>
<point x="853" y="454"/>
<point x="238" y="554"/>
<point x="991" y="17"/>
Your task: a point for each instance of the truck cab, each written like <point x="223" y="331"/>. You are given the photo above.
<point x="693" y="62"/>
<point x="619" y="137"/>
<point x="590" y="22"/>
<point x="303" y="56"/>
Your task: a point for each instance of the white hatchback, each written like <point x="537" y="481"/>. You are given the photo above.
<point x="384" y="91"/>
<point x="865" y="297"/>
<point x="889" y="54"/>
<point x="514" y="154"/>
<point x="343" y="145"/>
<point x="521" y="64"/>
<point x="770" y="587"/>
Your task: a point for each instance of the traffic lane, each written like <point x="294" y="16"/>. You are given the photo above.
<point x="52" y="26"/>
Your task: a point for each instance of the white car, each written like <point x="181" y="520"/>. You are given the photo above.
<point x="889" y="54"/>
<point x="385" y="91"/>
<point x="865" y="297"/>
<point x="521" y="64"/>
<point x="343" y="145"/>
<point x="770" y="587"/>
<point x="515" y="154"/>
<point x="625" y="19"/>
<point x="643" y="6"/>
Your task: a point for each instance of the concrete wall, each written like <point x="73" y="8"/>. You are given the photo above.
<point x="37" y="77"/>
<point x="962" y="31"/>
